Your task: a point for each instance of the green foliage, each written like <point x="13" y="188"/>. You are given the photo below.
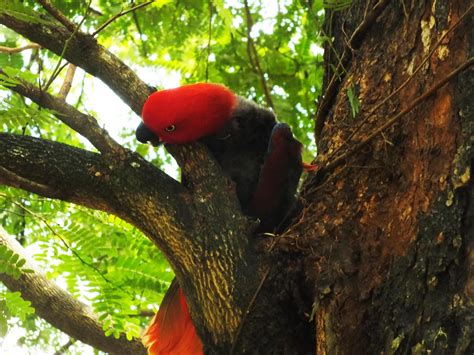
<point x="10" y="60"/>
<point x="19" y="117"/>
<point x="15" y="305"/>
<point x="18" y="10"/>
<point x="100" y="259"/>
<point x="11" y="263"/>
<point x="12" y="307"/>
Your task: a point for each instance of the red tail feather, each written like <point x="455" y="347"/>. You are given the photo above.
<point x="172" y="331"/>
<point x="307" y="167"/>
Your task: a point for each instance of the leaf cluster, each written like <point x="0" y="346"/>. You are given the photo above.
<point x="100" y="259"/>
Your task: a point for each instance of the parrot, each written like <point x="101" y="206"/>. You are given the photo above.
<point x="238" y="138"/>
<point x="260" y="155"/>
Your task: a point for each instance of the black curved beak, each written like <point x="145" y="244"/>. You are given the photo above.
<point x="144" y="135"/>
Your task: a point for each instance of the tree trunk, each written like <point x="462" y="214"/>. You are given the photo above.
<point x="386" y="235"/>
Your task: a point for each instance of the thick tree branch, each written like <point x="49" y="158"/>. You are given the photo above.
<point x="60" y="309"/>
<point x="84" y="51"/>
<point x="60" y="171"/>
<point x="204" y="235"/>
<point x="85" y="125"/>
<point x="58" y="15"/>
<point x="220" y="241"/>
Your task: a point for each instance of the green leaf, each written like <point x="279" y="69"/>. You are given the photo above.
<point x="17" y="10"/>
<point x="160" y="3"/>
<point x="20" y="263"/>
<point x="353" y="101"/>
<point x="3" y="326"/>
<point x="11" y="60"/>
<point x="16" y="305"/>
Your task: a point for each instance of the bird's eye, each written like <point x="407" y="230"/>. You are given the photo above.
<point x="170" y="128"/>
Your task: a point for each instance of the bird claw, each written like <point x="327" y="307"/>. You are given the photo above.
<point x="309" y="167"/>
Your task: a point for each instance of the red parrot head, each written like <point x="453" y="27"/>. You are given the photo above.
<point x="187" y="113"/>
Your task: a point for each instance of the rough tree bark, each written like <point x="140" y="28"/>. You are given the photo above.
<point x="382" y="257"/>
<point x="387" y="236"/>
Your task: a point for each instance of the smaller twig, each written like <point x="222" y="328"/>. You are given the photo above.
<point x="54" y="75"/>
<point x="120" y="14"/>
<point x="338" y="160"/>
<point x="145" y="313"/>
<point x="58" y="15"/>
<point x="343" y="26"/>
<point x="366" y="10"/>
<point x="66" y="44"/>
<point x="17" y="181"/>
<point x="95" y="12"/>
<point x="252" y="301"/>
<point x="84" y="124"/>
<point x="80" y="98"/>
<point x="52" y="230"/>
<point x="253" y="56"/>
<point x="66" y="87"/>
<point x="331" y="46"/>
<point x="32" y="58"/>
<point x="140" y="32"/>
<point x="64" y="348"/>
<point x="209" y="38"/>
<point x="247" y="311"/>
<point x="405" y="12"/>
<point x="14" y="50"/>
